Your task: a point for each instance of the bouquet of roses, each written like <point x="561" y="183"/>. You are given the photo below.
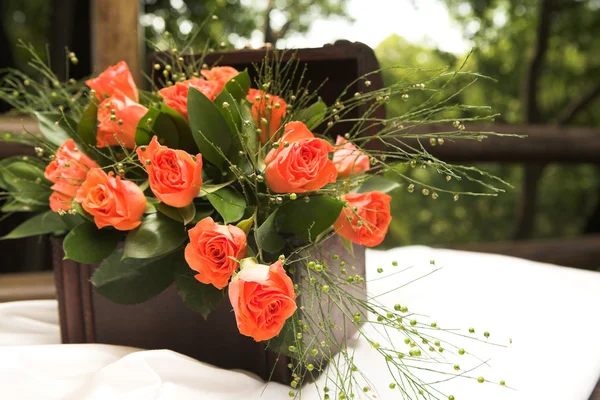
<point x="228" y="191"/>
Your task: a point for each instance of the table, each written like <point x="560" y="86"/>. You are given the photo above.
<point x="549" y="312"/>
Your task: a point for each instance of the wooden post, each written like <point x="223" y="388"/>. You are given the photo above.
<point x="115" y="35"/>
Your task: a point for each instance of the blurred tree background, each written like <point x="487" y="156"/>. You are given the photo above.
<point x="544" y="54"/>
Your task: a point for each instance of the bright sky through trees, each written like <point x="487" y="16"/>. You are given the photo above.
<point x="424" y="22"/>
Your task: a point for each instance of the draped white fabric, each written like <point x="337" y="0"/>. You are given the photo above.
<point x="550" y="312"/>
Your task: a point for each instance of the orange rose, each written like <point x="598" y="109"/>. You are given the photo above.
<point x="113" y="79"/>
<point x="118" y="128"/>
<point x="269" y="120"/>
<point x="67" y="171"/>
<point x="303" y="165"/>
<point x="221" y="75"/>
<point x="348" y="160"/>
<point x="263" y="299"/>
<point x="176" y="96"/>
<point x="60" y="201"/>
<point x="175" y="176"/>
<point x="111" y="200"/>
<point x="211" y="251"/>
<point x="366" y="218"/>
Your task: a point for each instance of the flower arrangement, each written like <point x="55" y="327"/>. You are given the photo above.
<point x="232" y="192"/>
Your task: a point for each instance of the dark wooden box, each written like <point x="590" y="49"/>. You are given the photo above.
<point x="164" y="321"/>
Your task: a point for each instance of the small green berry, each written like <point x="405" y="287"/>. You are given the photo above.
<point x="502" y="383"/>
<point x="471" y="330"/>
<point x="461" y="351"/>
<point x="480" y="379"/>
<point x="486" y="334"/>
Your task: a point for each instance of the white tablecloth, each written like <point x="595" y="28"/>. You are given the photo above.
<point x="551" y="313"/>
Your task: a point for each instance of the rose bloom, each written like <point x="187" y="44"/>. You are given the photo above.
<point x="348" y="159"/>
<point x="369" y="224"/>
<point x="113" y="79"/>
<point x="124" y="124"/>
<point x="67" y="171"/>
<point x="175" y="176"/>
<point x="263" y="299"/>
<point x="176" y="96"/>
<point x="111" y="200"/>
<point x="220" y="75"/>
<point x="211" y="251"/>
<point x="273" y="117"/>
<point x="303" y="165"/>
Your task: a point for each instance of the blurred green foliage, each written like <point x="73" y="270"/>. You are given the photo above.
<point x="504" y="33"/>
<point x="237" y="21"/>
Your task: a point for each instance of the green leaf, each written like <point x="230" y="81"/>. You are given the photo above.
<point x="185" y="214"/>
<point x="229" y="203"/>
<point x="157" y="235"/>
<point x="313" y="115"/>
<point x="308" y="220"/>
<point x="23" y="178"/>
<point x="41" y="224"/>
<point x="209" y="129"/>
<point x="86" y="130"/>
<point x="80" y="211"/>
<point x="246" y="225"/>
<point x="239" y="85"/>
<point x="267" y="237"/>
<point x="161" y="125"/>
<point x="89" y="245"/>
<point x="133" y="281"/>
<point x="16" y="206"/>
<point x="377" y="183"/>
<point x="231" y="111"/>
<point x="202" y="211"/>
<point x="186" y="140"/>
<point x="207" y="188"/>
<point x="234" y="93"/>
<point x="199" y="297"/>
<point x="56" y="135"/>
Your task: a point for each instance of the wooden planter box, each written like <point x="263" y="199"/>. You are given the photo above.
<point x="165" y="322"/>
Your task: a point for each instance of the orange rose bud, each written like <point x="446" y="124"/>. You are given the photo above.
<point x="67" y="171"/>
<point x="369" y="224"/>
<point x="176" y="96"/>
<point x="175" y="176"/>
<point x="220" y="75"/>
<point x="261" y="113"/>
<point x="111" y="200"/>
<point x="212" y="250"/>
<point x="300" y="163"/>
<point x="60" y="201"/>
<point x="348" y="159"/>
<point x="118" y="117"/>
<point x="113" y="79"/>
<point x="263" y="299"/>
